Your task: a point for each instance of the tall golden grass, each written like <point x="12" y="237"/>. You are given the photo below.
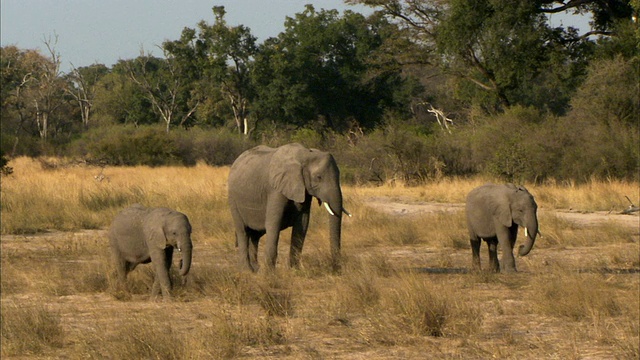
<point x="403" y="291"/>
<point x="82" y="197"/>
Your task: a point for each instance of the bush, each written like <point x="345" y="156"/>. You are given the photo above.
<point x="4" y="169"/>
<point x="501" y="146"/>
<point x="130" y="146"/>
<point x="405" y="154"/>
<point x="219" y="147"/>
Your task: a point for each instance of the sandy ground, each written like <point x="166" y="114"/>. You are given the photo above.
<point x="409" y="208"/>
<point x="84" y="313"/>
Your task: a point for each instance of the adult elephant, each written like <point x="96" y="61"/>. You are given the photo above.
<point x="271" y="189"/>
<point x="494" y="213"/>
<point x="139" y="235"/>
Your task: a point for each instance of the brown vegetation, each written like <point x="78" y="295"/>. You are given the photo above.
<point x="404" y="291"/>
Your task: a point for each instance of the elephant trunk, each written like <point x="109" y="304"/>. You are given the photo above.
<point x="530" y="231"/>
<point x="335" y="228"/>
<point x="185" y="262"/>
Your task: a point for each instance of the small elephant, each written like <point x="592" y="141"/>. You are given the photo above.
<point x="139" y="235"/>
<point x="494" y="213"/>
<point x="271" y="189"/>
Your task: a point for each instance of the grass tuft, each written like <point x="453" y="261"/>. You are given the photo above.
<point x="30" y="330"/>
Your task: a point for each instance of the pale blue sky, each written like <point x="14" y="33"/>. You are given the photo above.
<point x="105" y="31"/>
<point x="91" y="31"/>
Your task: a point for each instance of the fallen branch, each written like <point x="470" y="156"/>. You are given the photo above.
<point x="631" y="209"/>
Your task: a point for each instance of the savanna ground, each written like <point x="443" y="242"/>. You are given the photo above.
<point x="404" y="290"/>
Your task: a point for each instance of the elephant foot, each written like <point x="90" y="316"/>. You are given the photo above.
<point x="475" y="266"/>
<point x="159" y="298"/>
<point x="248" y="269"/>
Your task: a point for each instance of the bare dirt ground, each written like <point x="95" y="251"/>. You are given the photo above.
<point x="408" y="207"/>
<point x="78" y="311"/>
<point x="459" y="260"/>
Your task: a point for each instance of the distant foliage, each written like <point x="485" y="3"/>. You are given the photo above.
<point x="130" y="146"/>
<point x="153" y="146"/>
<point x="526" y="101"/>
<point x="4" y="168"/>
<point x="218" y="147"/>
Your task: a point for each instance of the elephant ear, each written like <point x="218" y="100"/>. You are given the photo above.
<point x="285" y="172"/>
<point x="153" y="228"/>
<point x="502" y="211"/>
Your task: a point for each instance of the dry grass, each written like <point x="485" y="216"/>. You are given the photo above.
<point x="403" y="291"/>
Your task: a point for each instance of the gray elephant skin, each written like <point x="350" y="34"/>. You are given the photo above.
<point x="271" y="189"/>
<point x="139" y="235"/>
<point x="494" y="213"/>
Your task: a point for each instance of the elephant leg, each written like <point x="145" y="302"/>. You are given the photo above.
<point x="271" y="248"/>
<point x="162" y="282"/>
<point x="506" y="245"/>
<point x="298" y="234"/>
<point x="475" y="251"/>
<point x="123" y="268"/>
<point x="254" y="237"/>
<point x="493" y="254"/>
<point x="273" y="224"/>
<point x="168" y="261"/>
<point x="242" y="242"/>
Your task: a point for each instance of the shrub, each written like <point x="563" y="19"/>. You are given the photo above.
<point x="130" y="146"/>
<point x="610" y="92"/>
<point x="308" y="137"/>
<point x="219" y="147"/>
<point x="404" y="154"/>
<point x="501" y="145"/>
<point x="4" y="168"/>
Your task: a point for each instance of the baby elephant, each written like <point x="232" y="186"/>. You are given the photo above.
<point x="139" y="235"/>
<point x="494" y="213"/>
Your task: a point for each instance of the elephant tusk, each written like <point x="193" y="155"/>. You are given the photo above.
<point x="526" y="233"/>
<point x="346" y="212"/>
<point x="326" y="206"/>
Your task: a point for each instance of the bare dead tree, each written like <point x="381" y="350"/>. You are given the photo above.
<point x="163" y="95"/>
<point x="19" y="106"/>
<point x="82" y="94"/>
<point x="441" y="118"/>
<point x="48" y="89"/>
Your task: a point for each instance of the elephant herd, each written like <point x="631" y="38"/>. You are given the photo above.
<point x="271" y="189"/>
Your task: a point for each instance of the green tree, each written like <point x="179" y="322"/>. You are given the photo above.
<point x="163" y="85"/>
<point x="120" y="101"/>
<point x="320" y="69"/>
<point x="217" y="59"/>
<point x="34" y="106"/>
<point x="501" y="52"/>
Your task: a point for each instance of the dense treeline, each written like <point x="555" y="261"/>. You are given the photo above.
<point x="417" y="90"/>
